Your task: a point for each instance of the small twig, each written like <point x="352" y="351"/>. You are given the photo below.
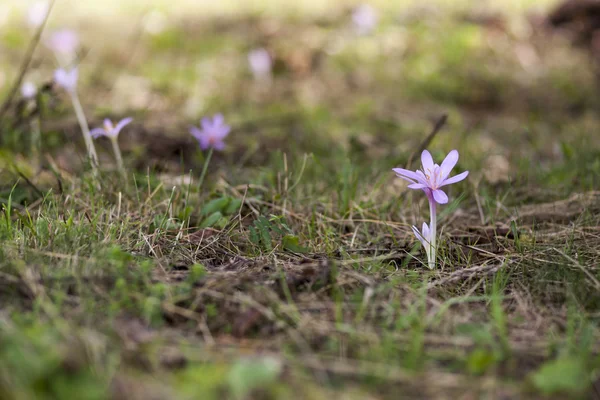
<point x="468" y="273"/>
<point x="436" y="128"/>
<point x="477" y="249"/>
<point x="25" y="65"/>
<point x="576" y="263"/>
<point x="29" y="183"/>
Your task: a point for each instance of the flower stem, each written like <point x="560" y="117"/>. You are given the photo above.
<point x="432" y="230"/>
<point x="117" y="151"/>
<point x="205" y="168"/>
<point x="36" y="139"/>
<point x="85" y="130"/>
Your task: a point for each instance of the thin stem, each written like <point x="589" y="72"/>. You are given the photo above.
<point x="205" y="168"/>
<point x="432" y="230"/>
<point x="115" y="145"/>
<point x="36" y="141"/>
<point x="85" y="130"/>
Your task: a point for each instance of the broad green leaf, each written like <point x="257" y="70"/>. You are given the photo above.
<point x="215" y="205"/>
<point x="248" y="375"/>
<point x="567" y="375"/>
<point x="479" y="361"/>
<point x="211" y="220"/>
<point x="233" y="207"/>
<point x="292" y="243"/>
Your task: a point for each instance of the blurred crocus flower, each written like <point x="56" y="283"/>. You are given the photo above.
<point x="63" y="42"/>
<point x="260" y="63"/>
<point x="109" y="129"/>
<point x="28" y="90"/>
<point x="67" y="79"/>
<point x="365" y="19"/>
<point x="37" y="13"/>
<point x="433" y="176"/>
<point x="213" y="131"/>
<point x="112" y="131"/>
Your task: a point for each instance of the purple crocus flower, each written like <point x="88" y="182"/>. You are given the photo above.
<point x="28" y="90"/>
<point x="430" y="180"/>
<point x="63" y="42"/>
<point x="109" y="129"/>
<point x="433" y="176"/>
<point x="365" y="19"/>
<point x="212" y="133"/>
<point x="260" y="63"/>
<point x="37" y="13"/>
<point x="67" y="79"/>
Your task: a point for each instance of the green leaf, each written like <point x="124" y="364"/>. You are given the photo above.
<point x="248" y="375"/>
<point x="197" y="271"/>
<point x="567" y="150"/>
<point x="263" y="225"/>
<point x="479" y="361"/>
<point x="292" y="243"/>
<point x="215" y="205"/>
<point x="276" y="228"/>
<point x="185" y="213"/>
<point x="254" y="236"/>
<point x="566" y="375"/>
<point x="211" y="220"/>
<point x="233" y="207"/>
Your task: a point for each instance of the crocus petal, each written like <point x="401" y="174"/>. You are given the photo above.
<point x="122" y="124"/>
<point x="418" y="234"/>
<point x="425" y="231"/>
<point x="28" y="90"/>
<point x="219" y="145"/>
<point x="222" y="132"/>
<point x="448" y="163"/>
<point x="64" y="41"/>
<point x="218" y="119"/>
<point x="417" y="186"/>
<point x="423" y="179"/>
<point x="66" y="80"/>
<point x="206" y="123"/>
<point x="60" y="75"/>
<point x="427" y="161"/>
<point x="195" y="132"/>
<point x="407" y="175"/>
<point x="97" y="132"/>
<point x="37" y="13"/>
<point x="440" y="197"/>
<point x="454" y="179"/>
<point x="204" y="142"/>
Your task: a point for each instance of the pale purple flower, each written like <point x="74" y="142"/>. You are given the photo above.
<point x="424" y="236"/>
<point x="212" y="133"/>
<point x="365" y="19"/>
<point x="63" y="42"/>
<point x="433" y="176"/>
<point x="260" y="63"/>
<point x="28" y="90"/>
<point x="36" y="14"/>
<point x="67" y="79"/>
<point x="109" y="129"/>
